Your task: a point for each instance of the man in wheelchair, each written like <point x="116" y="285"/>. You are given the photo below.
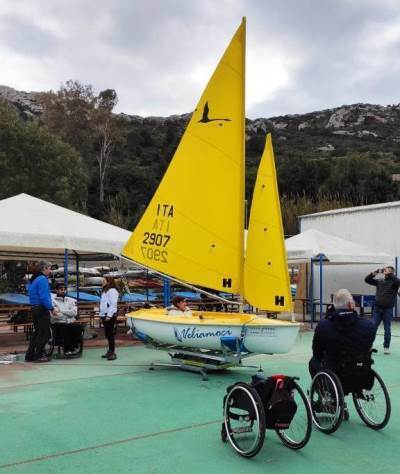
<point x="342" y="343"/>
<point x="341" y="365"/>
<point x="67" y="332"/>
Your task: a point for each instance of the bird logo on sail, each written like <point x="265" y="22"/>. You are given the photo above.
<point x="205" y="118"/>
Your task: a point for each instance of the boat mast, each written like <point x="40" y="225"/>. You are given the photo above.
<point x="243" y="171"/>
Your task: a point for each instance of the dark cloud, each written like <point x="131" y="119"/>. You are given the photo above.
<point x="303" y="55"/>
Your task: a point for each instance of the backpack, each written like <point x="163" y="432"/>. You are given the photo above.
<point x="277" y="395"/>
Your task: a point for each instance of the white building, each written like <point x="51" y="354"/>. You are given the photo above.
<point x="376" y="226"/>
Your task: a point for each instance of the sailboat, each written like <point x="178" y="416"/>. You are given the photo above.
<point x="193" y="228"/>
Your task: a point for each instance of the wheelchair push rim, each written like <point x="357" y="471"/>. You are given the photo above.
<point x="49" y="346"/>
<point x="327" y="401"/>
<point x="373" y="405"/>
<point x="299" y="431"/>
<point x="244" y="427"/>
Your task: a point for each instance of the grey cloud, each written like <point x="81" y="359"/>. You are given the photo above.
<point x="22" y="36"/>
<point x="149" y="50"/>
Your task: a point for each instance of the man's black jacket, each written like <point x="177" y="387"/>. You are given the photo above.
<point x="342" y="329"/>
<point x="386" y="289"/>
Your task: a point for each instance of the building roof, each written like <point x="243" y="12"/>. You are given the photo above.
<point x="312" y="243"/>
<point x="346" y="210"/>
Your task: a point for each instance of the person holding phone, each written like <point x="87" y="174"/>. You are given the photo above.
<point x="386" y="293"/>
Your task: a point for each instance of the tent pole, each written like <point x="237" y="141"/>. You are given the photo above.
<point x="66" y="269"/>
<point x="77" y="281"/>
<point x="147" y="285"/>
<point x="307" y="287"/>
<point x="396" y="266"/>
<point x="320" y="285"/>
<point x="312" y="291"/>
<point x="167" y="291"/>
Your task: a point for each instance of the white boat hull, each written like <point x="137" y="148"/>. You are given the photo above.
<point x="260" y="335"/>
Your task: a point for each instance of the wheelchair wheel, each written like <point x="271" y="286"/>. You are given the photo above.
<point x="244" y="420"/>
<point x="373" y="405"/>
<point x="299" y="431"/>
<point x="49" y="346"/>
<point x="327" y="401"/>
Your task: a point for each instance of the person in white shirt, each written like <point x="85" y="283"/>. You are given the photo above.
<point x="64" y="322"/>
<point x="65" y="309"/>
<point x="108" y="314"/>
<point x="179" y="307"/>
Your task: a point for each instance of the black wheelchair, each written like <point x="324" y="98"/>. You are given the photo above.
<point x="56" y="339"/>
<point x="250" y="409"/>
<point x="355" y="376"/>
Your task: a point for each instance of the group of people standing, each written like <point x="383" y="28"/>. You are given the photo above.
<point x="342" y="325"/>
<point x="61" y="311"/>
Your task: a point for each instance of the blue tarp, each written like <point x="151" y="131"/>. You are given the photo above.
<point x="14" y="298"/>
<point x="131" y="297"/>
<point x="190" y="295"/>
<point x="84" y="296"/>
<point x="127" y="297"/>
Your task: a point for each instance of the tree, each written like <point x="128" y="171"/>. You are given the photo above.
<point x="68" y="113"/>
<point x="104" y="125"/>
<point x="34" y="161"/>
<point x="86" y="122"/>
<point x="361" y="180"/>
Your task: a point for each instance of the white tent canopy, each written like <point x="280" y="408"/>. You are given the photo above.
<point x="312" y="243"/>
<point x="31" y="227"/>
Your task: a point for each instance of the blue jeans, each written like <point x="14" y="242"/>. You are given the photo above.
<point x="385" y="315"/>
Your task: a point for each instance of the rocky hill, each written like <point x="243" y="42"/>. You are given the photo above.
<point x="326" y="133"/>
<point x="348" y="155"/>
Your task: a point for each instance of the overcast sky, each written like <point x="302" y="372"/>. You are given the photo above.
<point x="302" y="55"/>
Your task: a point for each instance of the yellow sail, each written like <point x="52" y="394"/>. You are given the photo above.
<point x="266" y="279"/>
<point x="193" y="227"/>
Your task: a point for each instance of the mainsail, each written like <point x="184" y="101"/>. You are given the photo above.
<point x="266" y="278"/>
<point x="193" y="227"/>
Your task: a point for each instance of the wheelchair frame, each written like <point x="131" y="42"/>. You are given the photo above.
<point x="329" y="409"/>
<point x="252" y="419"/>
<point x="51" y="344"/>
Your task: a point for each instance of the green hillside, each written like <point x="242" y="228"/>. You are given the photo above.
<point x="70" y="148"/>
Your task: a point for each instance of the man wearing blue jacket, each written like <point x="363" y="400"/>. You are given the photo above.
<point x="40" y="301"/>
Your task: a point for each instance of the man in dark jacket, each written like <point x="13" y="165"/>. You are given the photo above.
<point x="342" y="328"/>
<point x="40" y="301"/>
<point x="386" y="293"/>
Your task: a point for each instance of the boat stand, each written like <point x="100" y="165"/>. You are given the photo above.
<point x="200" y="361"/>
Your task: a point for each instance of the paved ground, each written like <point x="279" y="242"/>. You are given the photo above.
<point x="95" y="416"/>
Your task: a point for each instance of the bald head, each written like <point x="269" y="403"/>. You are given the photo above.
<point x="343" y="299"/>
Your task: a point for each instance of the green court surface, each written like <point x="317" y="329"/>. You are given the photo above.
<point x="94" y="416"/>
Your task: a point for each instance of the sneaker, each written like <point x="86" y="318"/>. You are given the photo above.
<point x="386" y="350"/>
<point x="42" y="359"/>
<point x="112" y="356"/>
<point x="72" y="353"/>
<point x="105" y="356"/>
